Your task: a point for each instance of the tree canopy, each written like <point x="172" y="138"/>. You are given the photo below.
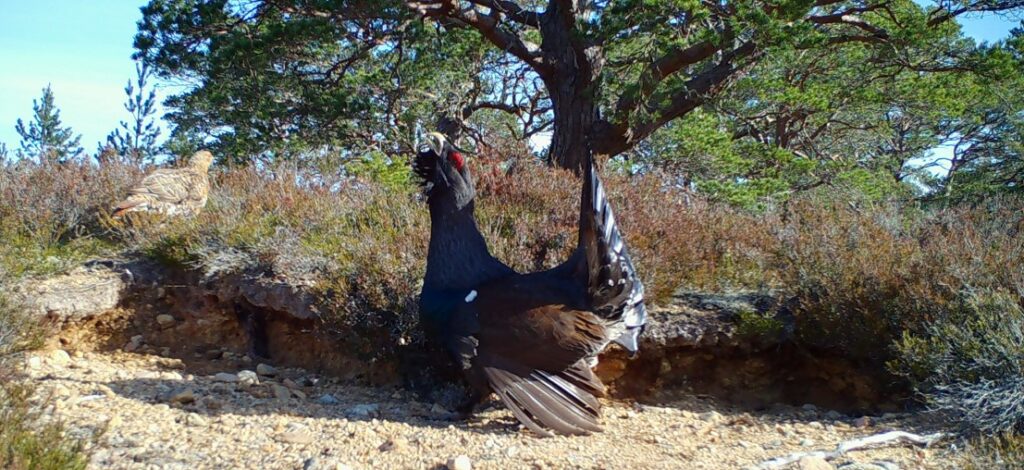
<point x="799" y="91"/>
<point x="45" y="137"/>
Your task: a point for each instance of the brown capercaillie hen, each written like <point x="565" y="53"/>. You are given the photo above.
<point x="171" y="191"/>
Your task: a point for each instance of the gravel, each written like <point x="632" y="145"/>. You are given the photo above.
<point x="118" y="395"/>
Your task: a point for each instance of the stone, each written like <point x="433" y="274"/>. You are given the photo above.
<point x="165" y="321"/>
<point x="290" y="383"/>
<point x="833" y="415"/>
<point x="711" y="416"/>
<point x="195" y="420"/>
<point x="294" y="437"/>
<point x="862" y="422"/>
<point x="183" y="397"/>
<point x="813" y="463"/>
<point x="265" y="370"/>
<point x="861" y="466"/>
<point x="211" y="403"/>
<point x="134" y="344"/>
<point x="33" y="362"/>
<point x="299" y="394"/>
<point x="248" y="378"/>
<point x="365" y="410"/>
<point x="84" y="292"/>
<point x="461" y="462"/>
<point x="59" y="357"/>
<point x="225" y="377"/>
<point x="806" y="442"/>
<point x="328" y="399"/>
<point x="213" y="354"/>
<point x="281" y="392"/>
<point x="396" y="444"/>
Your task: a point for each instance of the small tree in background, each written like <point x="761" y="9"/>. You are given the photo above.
<point x="137" y="144"/>
<point x="44" y="138"/>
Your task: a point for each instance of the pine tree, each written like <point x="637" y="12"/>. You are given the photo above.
<point x="138" y="142"/>
<point x="44" y="138"/>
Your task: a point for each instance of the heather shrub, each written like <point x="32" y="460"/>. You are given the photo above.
<point x="865" y="274"/>
<point x="26" y="441"/>
<point x="53" y="215"/>
<point x="969" y="363"/>
<point x="985" y="453"/>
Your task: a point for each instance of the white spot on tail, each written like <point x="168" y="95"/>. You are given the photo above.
<point x="471" y="296"/>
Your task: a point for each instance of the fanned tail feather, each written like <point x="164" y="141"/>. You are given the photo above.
<point x="562" y="402"/>
<point x="615" y="291"/>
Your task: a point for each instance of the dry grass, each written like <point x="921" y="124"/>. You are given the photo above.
<point x="864" y="273"/>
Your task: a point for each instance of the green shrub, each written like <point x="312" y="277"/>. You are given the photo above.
<point x="969" y="363"/>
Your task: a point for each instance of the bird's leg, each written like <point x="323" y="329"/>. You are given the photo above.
<point x="465" y="409"/>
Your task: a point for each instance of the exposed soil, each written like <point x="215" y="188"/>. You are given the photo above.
<point x="151" y="411"/>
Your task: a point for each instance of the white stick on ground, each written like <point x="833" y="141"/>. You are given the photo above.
<point x="855" y="444"/>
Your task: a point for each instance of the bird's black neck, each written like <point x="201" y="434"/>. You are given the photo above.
<point x="458" y="257"/>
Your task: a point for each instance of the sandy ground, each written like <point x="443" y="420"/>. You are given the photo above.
<point x="153" y="412"/>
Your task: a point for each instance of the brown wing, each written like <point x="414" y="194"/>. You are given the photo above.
<point x="164" y="188"/>
<point x="534" y="355"/>
<point x="169" y="186"/>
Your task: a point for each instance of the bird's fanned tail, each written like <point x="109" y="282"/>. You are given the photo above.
<point x="615" y="291"/>
<point x="563" y="402"/>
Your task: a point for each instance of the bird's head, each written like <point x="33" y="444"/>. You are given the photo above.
<point x="443" y="171"/>
<point x="201" y="161"/>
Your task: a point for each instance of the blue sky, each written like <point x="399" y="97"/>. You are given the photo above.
<point x="84" y="51"/>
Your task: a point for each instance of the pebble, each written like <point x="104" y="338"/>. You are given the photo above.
<point x="862" y="466"/>
<point x="806" y="442"/>
<point x="397" y="444"/>
<point x="365" y="410"/>
<point x="59" y="357"/>
<point x="299" y="394"/>
<point x="225" y="377"/>
<point x="328" y="399"/>
<point x="165" y="321"/>
<point x="294" y="437"/>
<point x="265" y="370"/>
<point x="281" y="392"/>
<point x="711" y="416"/>
<point x="195" y="420"/>
<point x="183" y="397"/>
<point x="862" y="422"/>
<point x="137" y="340"/>
<point x="290" y="383"/>
<point x="248" y="378"/>
<point x="813" y="463"/>
<point x="461" y="462"/>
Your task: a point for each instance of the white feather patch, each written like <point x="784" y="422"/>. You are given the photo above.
<point x="470" y="296"/>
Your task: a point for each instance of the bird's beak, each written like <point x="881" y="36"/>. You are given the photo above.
<point x="436" y="140"/>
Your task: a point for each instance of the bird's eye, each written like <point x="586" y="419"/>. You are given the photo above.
<point x="457" y="160"/>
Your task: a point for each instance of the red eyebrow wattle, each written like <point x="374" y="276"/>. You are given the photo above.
<point x="457" y="160"/>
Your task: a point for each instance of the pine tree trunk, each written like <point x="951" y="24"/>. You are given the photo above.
<point x="577" y="68"/>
